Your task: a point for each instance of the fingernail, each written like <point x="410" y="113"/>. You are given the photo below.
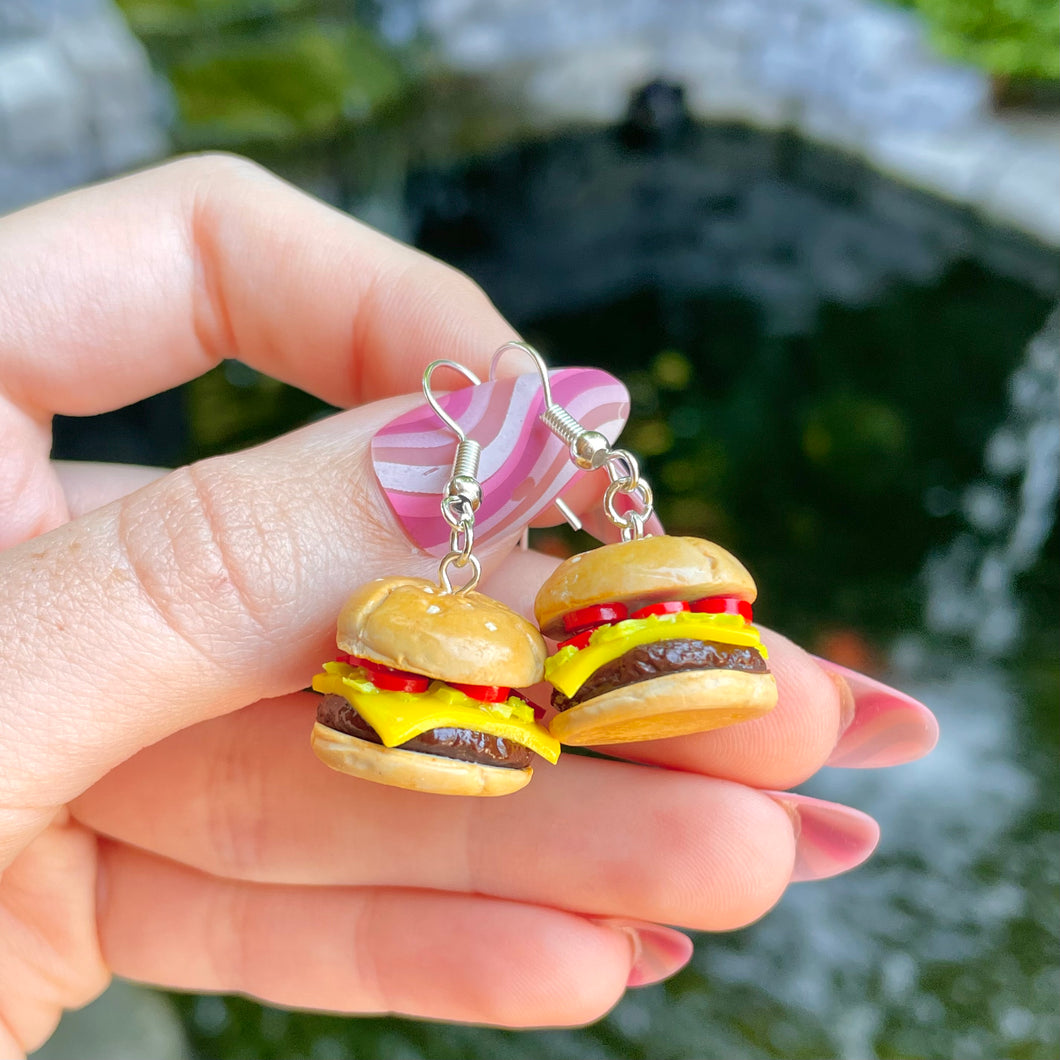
<point x="523" y="467"/>
<point x="658" y="952"/>
<point x="886" y="728"/>
<point x="829" y="838"/>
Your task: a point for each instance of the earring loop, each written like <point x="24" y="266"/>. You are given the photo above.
<point x="590" y="451"/>
<point x="463" y="493"/>
<point x="444" y="362"/>
<point x="539" y="361"/>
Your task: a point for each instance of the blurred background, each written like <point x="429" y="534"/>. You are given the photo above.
<point x="819" y="241"/>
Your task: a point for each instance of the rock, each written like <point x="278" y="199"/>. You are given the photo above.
<point x="78" y="98"/>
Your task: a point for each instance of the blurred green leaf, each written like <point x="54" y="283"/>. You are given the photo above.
<point x="303" y="82"/>
<point x="167" y="17"/>
<point x="1009" y="38"/>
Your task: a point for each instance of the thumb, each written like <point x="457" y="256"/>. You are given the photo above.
<point x="206" y="590"/>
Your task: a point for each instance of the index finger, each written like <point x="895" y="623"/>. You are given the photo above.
<point x="123" y="290"/>
<point x="116" y="292"/>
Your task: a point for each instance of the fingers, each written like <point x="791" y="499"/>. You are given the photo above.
<point x="825" y="715"/>
<point x="365" y="950"/>
<point x="243" y="797"/>
<point x="49" y="951"/>
<point x="88" y="485"/>
<point x="210" y="588"/>
<point x="229" y="262"/>
<point x="778" y="750"/>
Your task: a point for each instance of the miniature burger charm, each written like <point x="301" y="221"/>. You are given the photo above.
<point x="421" y="697"/>
<point x="655" y="640"/>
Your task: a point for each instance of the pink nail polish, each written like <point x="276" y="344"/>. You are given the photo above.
<point x="888" y="728"/>
<point x="829" y="838"/>
<point x="658" y="952"/>
<point x="523" y="468"/>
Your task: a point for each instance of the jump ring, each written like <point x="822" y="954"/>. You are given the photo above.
<point x="456" y="559"/>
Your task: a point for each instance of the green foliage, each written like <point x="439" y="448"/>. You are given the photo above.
<point x="244" y="76"/>
<point x="305" y="82"/>
<point x="151" y="17"/>
<point x="1009" y="38"/>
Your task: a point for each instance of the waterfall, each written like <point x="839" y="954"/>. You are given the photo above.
<point x="971" y="584"/>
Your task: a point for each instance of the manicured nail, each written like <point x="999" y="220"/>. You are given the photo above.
<point x="523" y="467"/>
<point x="658" y="952"/>
<point x="888" y="728"/>
<point x="829" y="838"/>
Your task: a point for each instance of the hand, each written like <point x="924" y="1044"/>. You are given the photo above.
<point x="161" y="816"/>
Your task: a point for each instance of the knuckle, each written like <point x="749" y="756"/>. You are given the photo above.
<point x="213" y="567"/>
<point x="235" y="828"/>
<point x="763" y="861"/>
<point x="221" y="167"/>
<point x="217" y="182"/>
<point x="228" y="941"/>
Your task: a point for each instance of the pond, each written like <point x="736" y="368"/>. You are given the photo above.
<point x="839" y="379"/>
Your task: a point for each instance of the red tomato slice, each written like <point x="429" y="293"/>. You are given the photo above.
<point x="483" y="693"/>
<point x="579" y="640"/>
<point x="723" y="605"/>
<point x="597" y="615"/>
<point x="398" y="683"/>
<point x="668" y="607"/>
<point x="390" y="679"/>
<point x="342" y="657"/>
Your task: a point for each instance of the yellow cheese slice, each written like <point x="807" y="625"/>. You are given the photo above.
<point x="571" y="667"/>
<point x="399" y="716"/>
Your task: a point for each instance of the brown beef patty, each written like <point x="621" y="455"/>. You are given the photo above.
<point x="335" y="712"/>
<point x="663" y="657"/>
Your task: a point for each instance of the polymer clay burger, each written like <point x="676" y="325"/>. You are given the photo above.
<point x="421" y="694"/>
<point x="655" y="640"/>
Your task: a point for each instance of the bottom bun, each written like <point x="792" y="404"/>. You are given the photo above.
<point x="670" y="705"/>
<point x="413" y="770"/>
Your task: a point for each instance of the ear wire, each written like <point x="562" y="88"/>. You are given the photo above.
<point x="558" y="413"/>
<point x="590" y="451"/>
<point x="463" y="492"/>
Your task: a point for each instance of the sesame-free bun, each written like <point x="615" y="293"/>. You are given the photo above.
<point x="638" y="573"/>
<point x="413" y="769"/>
<point x="411" y="624"/>
<point x="670" y="705"/>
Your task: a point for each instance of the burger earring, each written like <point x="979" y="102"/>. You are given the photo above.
<point x="421" y="696"/>
<point x="655" y="634"/>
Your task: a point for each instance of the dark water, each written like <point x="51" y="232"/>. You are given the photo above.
<point x="836" y="378"/>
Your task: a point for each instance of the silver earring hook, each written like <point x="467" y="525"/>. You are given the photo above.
<point x="590" y="451"/>
<point x="542" y="368"/>
<point x="463" y="493"/>
<point x="433" y="401"/>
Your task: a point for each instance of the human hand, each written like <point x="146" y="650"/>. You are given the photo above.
<point x="161" y="816"/>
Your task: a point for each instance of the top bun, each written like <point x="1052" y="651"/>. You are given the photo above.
<point x="637" y="573"/>
<point x="411" y="624"/>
